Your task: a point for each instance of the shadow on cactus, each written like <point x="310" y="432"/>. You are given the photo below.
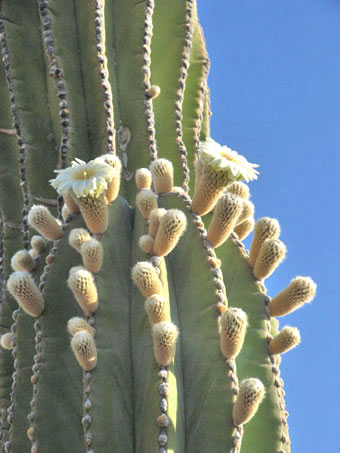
<point x="130" y="323"/>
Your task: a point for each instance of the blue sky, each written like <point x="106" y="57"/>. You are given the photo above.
<point x="275" y="97"/>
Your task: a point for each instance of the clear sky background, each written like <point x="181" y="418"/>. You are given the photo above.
<point x="275" y="97"/>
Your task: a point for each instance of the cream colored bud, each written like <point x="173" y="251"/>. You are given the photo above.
<point x="145" y="243"/>
<point x="34" y="253"/>
<point x="92" y="255"/>
<point x="233" y="331"/>
<point x="272" y="253"/>
<point x="23" y="288"/>
<point x="245" y="228"/>
<point x="300" y="291"/>
<point x="171" y="228"/>
<point x="85" y="350"/>
<point x="153" y="92"/>
<point x="247" y="212"/>
<point x="225" y="217"/>
<point x="42" y="221"/>
<point x="287" y="339"/>
<point x="39" y="243"/>
<point x="147" y="279"/>
<point x="155" y="219"/>
<point x="77" y="237"/>
<point x="81" y="283"/>
<point x="157" y="309"/>
<point x="162" y="172"/>
<point x="240" y="189"/>
<point x="165" y="335"/>
<point x="250" y="396"/>
<point x="76" y="325"/>
<point x="95" y="213"/>
<point x="113" y="187"/>
<point x="6" y="340"/>
<point x="65" y="212"/>
<point x="265" y="228"/>
<point x="143" y="178"/>
<point x="146" y="201"/>
<point x="22" y="261"/>
<point x="71" y="203"/>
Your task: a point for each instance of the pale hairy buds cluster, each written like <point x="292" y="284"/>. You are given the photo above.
<point x="38" y="243"/>
<point x="162" y="175"/>
<point x="42" y="221"/>
<point x="250" y="395"/>
<point x="92" y="255"/>
<point x="157" y="309"/>
<point x="300" y="291"/>
<point x="155" y="219"/>
<point x="147" y="279"/>
<point x="233" y="331"/>
<point x="225" y="217"/>
<point x="145" y="243"/>
<point x="172" y="225"/>
<point x="239" y="188"/>
<point x="23" y="288"/>
<point x="146" y="201"/>
<point x="165" y="335"/>
<point x="244" y="228"/>
<point x="272" y="253"/>
<point x="81" y="283"/>
<point x="94" y="212"/>
<point x="77" y="324"/>
<point x="288" y="338"/>
<point x="143" y="178"/>
<point x="22" y="261"/>
<point x="85" y="350"/>
<point x="6" y="340"/>
<point x="77" y="237"/>
<point x="265" y="228"/>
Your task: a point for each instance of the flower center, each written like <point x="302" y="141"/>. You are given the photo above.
<point x="228" y="156"/>
<point x="81" y="175"/>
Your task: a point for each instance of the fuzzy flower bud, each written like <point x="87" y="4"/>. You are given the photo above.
<point x="42" y="221"/>
<point x="143" y="178"/>
<point x="272" y="253"/>
<point x="155" y="219"/>
<point x="38" y="243"/>
<point x="153" y="92"/>
<point x="162" y="172"/>
<point x="157" y="309"/>
<point x="248" y="400"/>
<point x="95" y="213"/>
<point x="145" y="243"/>
<point x="265" y="228"/>
<point x="113" y="185"/>
<point x="247" y="212"/>
<point x="165" y="335"/>
<point x="245" y="228"/>
<point x="22" y="261"/>
<point x="81" y="283"/>
<point x="300" y="291"/>
<point x="240" y="189"/>
<point x="287" y="339"/>
<point x="77" y="237"/>
<point x="23" y="288"/>
<point x="147" y="279"/>
<point x="92" y="255"/>
<point x="76" y="325"/>
<point x="171" y="227"/>
<point x="85" y="350"/>
<point x="233" y="331"/>
<point x="6" y="340"/>
<point x="146" y="201"/>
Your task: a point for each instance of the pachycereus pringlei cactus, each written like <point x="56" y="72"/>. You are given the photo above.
<point x="133" y="319"/>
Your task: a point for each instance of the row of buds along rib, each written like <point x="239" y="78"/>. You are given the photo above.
<point x="23" y="288"/>
<point x="146" y="278"/>
<point x="83" y="287"/>
<point x="82" y="343"/>
<point x="233" y="330"/>
<point x="90" y="249"/>
<point x="165" y="336"/>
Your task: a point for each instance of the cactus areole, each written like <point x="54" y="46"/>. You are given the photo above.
<point x="122" y="328"/>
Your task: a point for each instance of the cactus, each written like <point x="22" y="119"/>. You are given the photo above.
<point x="122" y="328"/>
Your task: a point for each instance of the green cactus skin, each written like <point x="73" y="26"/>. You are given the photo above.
<point x="73" y="83"/>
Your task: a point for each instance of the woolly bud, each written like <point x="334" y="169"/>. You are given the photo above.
<point x="42" y="220"/>
<point x="225" y="216"/>
<point x="265" y="228"/>
<point x="146" y="201"/>
<point x="162" y="172"/>
<point x="81" y="283"/>
<point x="92" y="255"/>
<point x="157" y="309"/>
<point x="23" y="288"/>
<point x="34" y="253"/>
<point x="250" y="396"/>
<point x="145" y="243"/>
<point x="22" y="261"/>
<point x="233" y="331"/>
<point x="171" y="227"/>
<point x="155" y="219"/>
<point x="38" y="243"/>
<point x="300" y="290"/>
<point x="165" y="335"/>
<point x="244" y="228"/>
<point x="248" y="211"/>
<point x="112" y="187"/>
<point x="240" y="189"/>
<point x="95" y="213"/>
<point x="287" y="339"/>
<point x="65" y="212"/>
<point x="153" y="92"/>
<point x="77" y="237"/>
<point x="71" y="203"/>
<point x="270" y="256"/>
<point x="76" y="325"/>
<point x="143" y="178"/>
<point x="147" y="279"/>
<point x="85" y="350"/>
<point x="6" y="340"/>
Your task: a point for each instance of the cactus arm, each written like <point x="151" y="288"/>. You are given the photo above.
<point x="169" y="71"/>
<point x="27" y="64"/>
<point x="245" y="292"/>
<point x="205" y="125"/>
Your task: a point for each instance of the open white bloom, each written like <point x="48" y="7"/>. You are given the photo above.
<point x="84" y="179"/>
<point x="222" y="158"/>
